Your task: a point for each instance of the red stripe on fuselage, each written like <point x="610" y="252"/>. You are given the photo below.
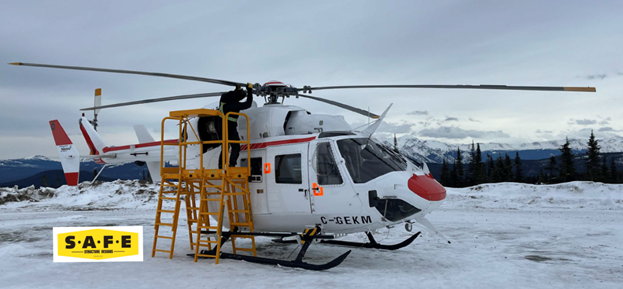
<point x="276" y="143"/>
<point x="142" y="145"/>
<point x="60" y="136"/>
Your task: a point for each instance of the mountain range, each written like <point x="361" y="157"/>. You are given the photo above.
<point x="432" y="151"/>
<point x="31" y="170"/>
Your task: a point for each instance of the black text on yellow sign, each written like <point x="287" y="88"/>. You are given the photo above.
<point x="101" y="244"/>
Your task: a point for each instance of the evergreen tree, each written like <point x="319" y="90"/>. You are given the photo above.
<point x="498" y="171"/>
<point x="444" y="173"/>
<point x="613" y="172"/>
<point x="551" y="178"/>
<point x="567" y="168"/>
<point x="604" y="174"/>
<point x="518" y="170"/>
<point x="508" y="169"/>
<point x="395" y="144"/>
<point x="541" y="177"/>
<point x="453" y="176"/>
<point x="44" y="181"/>
<point x="471" y="169"/>
<point x="592" y="162"/>
<point x="460" y="174"/>
<point x="481" y="172"/>
<point x="490" y="168"/>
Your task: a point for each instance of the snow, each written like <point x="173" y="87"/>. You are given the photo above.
<point x="503" y="235"/>
<point x="38" y="157"/>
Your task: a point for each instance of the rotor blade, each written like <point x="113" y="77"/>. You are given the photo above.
<point x="211" y="80"/>
<point x="482" y="86"/>
<point x="344" y="106"/>
<point x="187" y="96"/>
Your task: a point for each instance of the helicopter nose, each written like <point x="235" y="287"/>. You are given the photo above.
<point x="427" y="187"/>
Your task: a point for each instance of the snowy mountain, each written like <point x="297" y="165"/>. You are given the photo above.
<point x="22" y="171"/>
<point x="434" y="151"/>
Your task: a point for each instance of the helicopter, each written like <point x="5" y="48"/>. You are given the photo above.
<point x="307" y="170"/>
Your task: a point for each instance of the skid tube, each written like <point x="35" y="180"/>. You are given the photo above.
<point x="307" y="239"/>
<point x="373" y="244"/>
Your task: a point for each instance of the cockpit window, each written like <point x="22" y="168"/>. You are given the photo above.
<point x="326" y="167"/>
<point x="367" y="159"/>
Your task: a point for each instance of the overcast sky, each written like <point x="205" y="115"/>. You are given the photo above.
<point x="317" y="43"/>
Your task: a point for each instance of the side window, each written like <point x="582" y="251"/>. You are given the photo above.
<point x="327" y="170"/>
<point x="256" y="169"/>
<point x="288" y="169"/>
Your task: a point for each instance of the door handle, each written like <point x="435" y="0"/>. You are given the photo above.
<point x="304" y="192"/>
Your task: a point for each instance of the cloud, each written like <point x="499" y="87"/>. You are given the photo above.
<point x="449" y="118"/>
<point x="418" y="112"/>
<point x="388" y="127"/>
<point x="608" y="129"/>
<point x="585" y="121"/>
<point x="605" y="121"/>
<point x="596" y="76"/>
<point x="543" y="131"/>
<point x="454" y="132"/>
<point x="473" y="119"/>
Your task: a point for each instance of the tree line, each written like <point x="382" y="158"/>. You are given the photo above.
<point x="504" y="169"/>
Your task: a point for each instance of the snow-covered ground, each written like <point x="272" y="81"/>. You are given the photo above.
<point x="503" y="236"/>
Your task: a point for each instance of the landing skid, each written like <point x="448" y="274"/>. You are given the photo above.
<point x="307" y="239"/>
<point x="373" y="244"/>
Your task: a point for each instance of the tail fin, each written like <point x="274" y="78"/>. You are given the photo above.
<point x="154" y="166"/>
<point x="70" y="159"/>
<point x="94" y="141"/>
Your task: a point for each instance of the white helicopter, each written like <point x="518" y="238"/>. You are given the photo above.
<point x="306" y="169"/>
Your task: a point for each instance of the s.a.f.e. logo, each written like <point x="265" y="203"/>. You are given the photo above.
<point x="82" y="244"/>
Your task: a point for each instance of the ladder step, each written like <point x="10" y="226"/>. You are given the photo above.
<point x="164" y="224"/>
<point x="166" y="211"/>
<point x="239" y="211"/>
<point x="168" y="198"/>
<point x="209" y="213"/>
<point x="211" y="200"/>
<point x="192" y="220"/>
<point x="164" y="251"/>
<point x="207" y="227"/>
<point x="240" y="224"/>
<point x="208" y="241"/>
<point x="192" y="208"/>
<point x="166" y="237"/>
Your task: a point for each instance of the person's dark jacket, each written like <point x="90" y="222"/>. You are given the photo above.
<point x="230" y="102"/>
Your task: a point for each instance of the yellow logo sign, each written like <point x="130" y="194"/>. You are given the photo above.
<point x="98" y="244"/>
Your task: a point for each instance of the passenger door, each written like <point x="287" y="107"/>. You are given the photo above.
<point x="285" y="170"/>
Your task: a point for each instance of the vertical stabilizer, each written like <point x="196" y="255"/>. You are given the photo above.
<point x="70" y="159"/>
<point x="94" y="141"/>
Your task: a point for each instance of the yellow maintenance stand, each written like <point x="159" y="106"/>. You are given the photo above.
<point x="206" y="192"/>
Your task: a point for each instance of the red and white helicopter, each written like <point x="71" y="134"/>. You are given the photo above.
<point x="307" y="169"/>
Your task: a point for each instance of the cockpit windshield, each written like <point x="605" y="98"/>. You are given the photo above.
<point x="367" y="159"/>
